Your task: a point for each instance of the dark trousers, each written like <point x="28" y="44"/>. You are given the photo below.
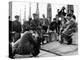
<point x="45" y="28"/>
<point x="67" y="38"/>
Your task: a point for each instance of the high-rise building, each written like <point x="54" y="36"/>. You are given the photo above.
<point x="69" y="8"/>
<point x="30" y="10"/>
<point x="37" y="10"/>
<point x="49" y="12"/>
<point x="24" y="14"/>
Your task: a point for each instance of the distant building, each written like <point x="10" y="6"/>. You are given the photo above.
<point x="37" y="10"/>
<point x="24" y="14"/>
<point x="30" y="10"/>
<point x="49" y="12"/>
<point x="69" y="8"/>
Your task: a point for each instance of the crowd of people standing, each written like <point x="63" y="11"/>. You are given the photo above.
<point x="64" y="25"/>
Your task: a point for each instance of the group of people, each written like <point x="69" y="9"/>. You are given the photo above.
<point x="64" y="25"/>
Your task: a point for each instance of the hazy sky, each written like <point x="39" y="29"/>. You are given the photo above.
<point x="17" y="6"/>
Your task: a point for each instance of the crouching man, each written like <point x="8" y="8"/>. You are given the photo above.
<point x="69" y="30"/>
<point x="28" y="44"/>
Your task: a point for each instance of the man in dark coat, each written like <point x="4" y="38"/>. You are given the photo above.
<point x="53" y="25"/>
<point x="35" y="23"/>
<point x="16" y="28"/>
<point x="14" y="32"/>
<point x="16" y="25"/>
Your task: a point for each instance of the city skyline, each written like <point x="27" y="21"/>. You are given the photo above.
<point x="19" y="6"/>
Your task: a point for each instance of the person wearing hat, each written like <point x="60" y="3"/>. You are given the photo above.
<point x="16" y="28"/>
<point x="35" y="23"/>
